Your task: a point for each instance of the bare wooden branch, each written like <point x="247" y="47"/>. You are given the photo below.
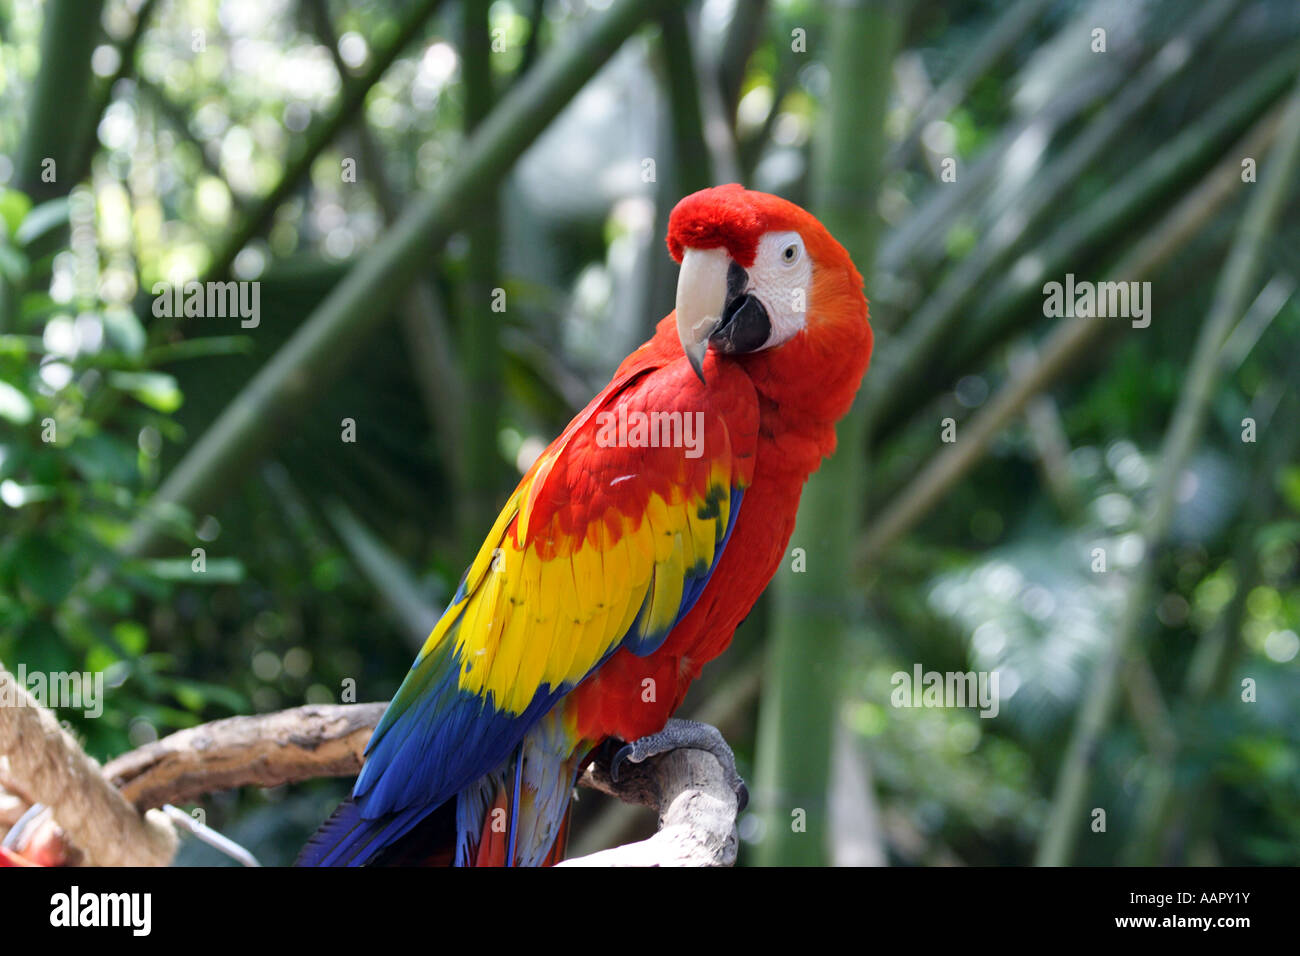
<point x="697" y="811"/>
<point x="263" y="750"/>
<point x="51" y="768"/>
<point x="697" y="808"/>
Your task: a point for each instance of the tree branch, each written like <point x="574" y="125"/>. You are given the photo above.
<point x="48" y="766"/>
<point x="697" y="811"/>
<point x="264" y="750"/>
<point x="697" y="808"/>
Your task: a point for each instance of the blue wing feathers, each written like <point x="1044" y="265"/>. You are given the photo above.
<point x="426" y="751"/>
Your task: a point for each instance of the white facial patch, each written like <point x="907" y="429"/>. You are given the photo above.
<point x="781" y="279"/>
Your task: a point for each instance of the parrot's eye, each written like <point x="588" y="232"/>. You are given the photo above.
<point x="779" y="285"/>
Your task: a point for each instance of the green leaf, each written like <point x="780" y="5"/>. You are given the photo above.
<point x="45" y="569"/>
<point x="14" y="207"/>
<point x="132" y="636"/>
<point x="155" y="389"/>
<point x="13" y="264"/>
<point x="14" y="405"/>
<point x="1289" y="482"/>
<point x="35" y="307"/>
<point x="43" y="647"/>
<point x="190" y="697"/>
<point x="113" y="599"/>
<point x="100" y="657"/>
<point x="200" y="348"/>
<point x="104" y="458"/>
<point x="198" y="694"/>
<point x="124" y="331"/>
<point x="216" y="570"/>
<point x="41" y="220"/>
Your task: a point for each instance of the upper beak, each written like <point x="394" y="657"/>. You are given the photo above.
<point x="701" y="298"/>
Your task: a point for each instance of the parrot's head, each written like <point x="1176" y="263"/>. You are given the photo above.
<point x="763" y="283"/>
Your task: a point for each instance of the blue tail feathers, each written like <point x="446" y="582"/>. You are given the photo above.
<point x="348" y="838"/>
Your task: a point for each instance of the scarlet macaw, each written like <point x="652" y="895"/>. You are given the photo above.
<point x="622" y="562"/>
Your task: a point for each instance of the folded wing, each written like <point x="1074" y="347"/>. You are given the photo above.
<point x="607" y="542"/>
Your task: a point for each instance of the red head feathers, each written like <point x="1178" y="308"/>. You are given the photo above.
<point x="734" y="218"/>
<point x="724" y="216"/>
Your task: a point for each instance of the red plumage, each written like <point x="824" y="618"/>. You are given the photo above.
<point x="804" y="387"/>
<point x="722" y="217"/>
<point x="477" y="706"/>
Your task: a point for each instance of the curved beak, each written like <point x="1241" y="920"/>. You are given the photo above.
<point x="701" y="298"/>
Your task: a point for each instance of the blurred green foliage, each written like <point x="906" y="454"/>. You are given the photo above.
<point x="99" y="399"/>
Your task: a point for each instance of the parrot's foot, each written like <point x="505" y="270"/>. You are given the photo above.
<point x="685" y="735"/>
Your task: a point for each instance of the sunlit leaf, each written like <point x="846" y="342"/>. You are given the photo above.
<point x="14" y="207"/>
<point x="155" y="389"/>
<point x="14" y="405"/>
<point x="216" y="570"/>
<point x="41" y="220"/>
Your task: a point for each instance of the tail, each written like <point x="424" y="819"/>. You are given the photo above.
<point x="510" y="836"/>
<point x="517" y="815"/>
<point x="348" y="838"/>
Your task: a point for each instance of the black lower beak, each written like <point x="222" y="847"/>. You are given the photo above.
<point x="745" y="324"/>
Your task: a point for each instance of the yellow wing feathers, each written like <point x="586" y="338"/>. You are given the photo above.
<point x="546" y="611"/>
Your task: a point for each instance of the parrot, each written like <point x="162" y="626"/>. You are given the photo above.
<point x="627" y="555"/>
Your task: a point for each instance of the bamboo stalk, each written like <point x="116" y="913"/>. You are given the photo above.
<point x="692" y="166"/>
<point x="738" y="44"/>
<point x="176" y="119"/>
<point x="1159" y="803"/>
<point x="1063" y="348"/>
<point x="533" y="45"/>
<point x="480" y="467"/>
<point x="1047" y="435"/>
<point x="797" y="713"/>
<point x="991" y="47"/>
<point x="934" y="320"/>
<point x="59" y="99"/>
<point x="916" y="247"/>
<point x="423" y="322"/>
<point x="387" y="575"/>
<point x="1099" y="223"/>
<point x="1229" y="303"/>
<point x="1010" y="304"/>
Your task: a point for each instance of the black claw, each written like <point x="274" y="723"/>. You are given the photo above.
<point x="617" y="761"/>
<point x="683" y="734"/>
